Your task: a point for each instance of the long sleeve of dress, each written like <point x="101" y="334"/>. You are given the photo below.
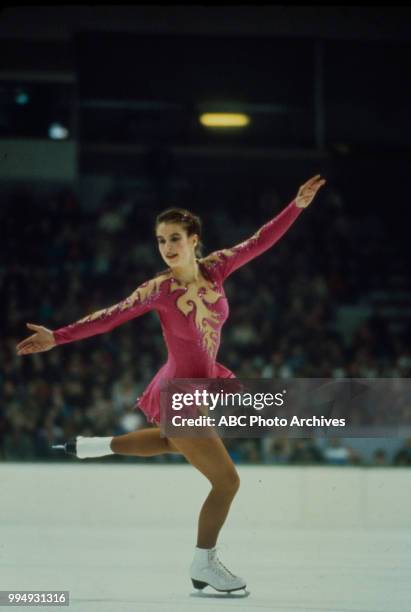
<point x="229" y="260"/>
<point x="143" y="299"/>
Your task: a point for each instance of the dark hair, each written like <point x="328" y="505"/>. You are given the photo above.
<point x="190" y="222"/>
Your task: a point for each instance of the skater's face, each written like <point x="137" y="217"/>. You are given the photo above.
<point x="176" y="247"/>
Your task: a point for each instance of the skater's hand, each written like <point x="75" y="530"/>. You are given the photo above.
<point x="41" y="340"/>
<point x="307" y="191"/>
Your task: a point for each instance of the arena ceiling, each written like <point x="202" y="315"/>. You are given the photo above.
<point x="341" y="22"/>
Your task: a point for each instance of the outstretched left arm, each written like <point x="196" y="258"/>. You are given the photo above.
<point x="229" y="260"/>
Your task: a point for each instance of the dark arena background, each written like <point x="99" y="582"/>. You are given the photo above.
<point x="100" y="130"/>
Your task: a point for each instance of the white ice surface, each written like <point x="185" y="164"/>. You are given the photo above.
<point x="120" y="538"/>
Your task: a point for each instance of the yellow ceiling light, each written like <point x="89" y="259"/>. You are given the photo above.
<point x="224" y="120"/>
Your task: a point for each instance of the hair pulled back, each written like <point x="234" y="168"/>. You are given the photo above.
<point x="190" y="222"/>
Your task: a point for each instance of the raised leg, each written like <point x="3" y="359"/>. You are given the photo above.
<point x="142" y="443"/>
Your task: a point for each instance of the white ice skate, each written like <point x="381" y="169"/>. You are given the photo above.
<point x="86" y="447"/>
<point x="207" y="570"/>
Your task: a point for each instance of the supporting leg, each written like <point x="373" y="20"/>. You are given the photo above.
<point x="211" y="458"/>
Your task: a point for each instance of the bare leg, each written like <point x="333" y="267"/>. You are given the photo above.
<point x="208" y="455"/>
<point x="211" y="458"/>
<point x="143" y="443"/>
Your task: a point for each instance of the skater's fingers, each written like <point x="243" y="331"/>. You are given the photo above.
<point x="307" y="192"/>
<point x="27" y="341"/>
<point x="25" y="351"/>
<point x="311" y="181"/>
<point x="315" y="180"/>
<point x="33" y="348"/>
<point x="38" y="345"/>
<point x="319" y="184"/>
<point x="35" y="327"/>
<point x="312" y="186"/>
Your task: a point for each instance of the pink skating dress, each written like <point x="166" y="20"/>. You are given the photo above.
<point x="191" y="316"/>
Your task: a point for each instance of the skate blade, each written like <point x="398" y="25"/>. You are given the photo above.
<point x="240" y="594"/>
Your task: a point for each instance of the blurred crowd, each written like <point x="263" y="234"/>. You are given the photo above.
<point x="61" y="260"/>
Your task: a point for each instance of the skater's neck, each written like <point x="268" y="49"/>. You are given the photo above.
<point x="187" y="274"/>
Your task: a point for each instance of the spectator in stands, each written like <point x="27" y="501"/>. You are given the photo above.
<point x="305" y="451"/>
<point x="403" y="455"/>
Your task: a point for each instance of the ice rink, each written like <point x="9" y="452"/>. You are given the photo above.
<point x="120" y="537"/>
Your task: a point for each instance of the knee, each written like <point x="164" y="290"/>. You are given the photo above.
<point x="235" y="482"/>
<point x="230" y="483"/>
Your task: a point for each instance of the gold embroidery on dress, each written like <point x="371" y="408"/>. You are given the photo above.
<point x="245" y="243"/>
<point x="140" y="295"/>
<point x="204" y="317"/>
<point x="216" y="257"/>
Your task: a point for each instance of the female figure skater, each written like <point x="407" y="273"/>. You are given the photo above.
<point x="192" y="307"/>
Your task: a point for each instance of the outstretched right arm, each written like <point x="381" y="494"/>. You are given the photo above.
<point x="143" y="299"/>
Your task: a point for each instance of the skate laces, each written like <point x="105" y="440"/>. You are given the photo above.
<point x="220" y="567"/>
